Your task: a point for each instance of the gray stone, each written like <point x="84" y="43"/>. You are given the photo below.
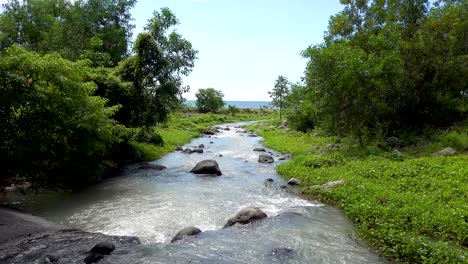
<point x="93" y="258"/>
<point x="201" y="146"/>
<point x="333" y="184"/>
<point x="246" y="216"/>
<point x="187" y="150"/>
<point x="227" y="129"/>
<point x="284" y="157"/>
<point x="197" y="150"/>
<point x="104" y="248"/>
<point x="179" y="148"/>
<point x="397" y="154"/>
<point x="259" y="149"/>
<point x="392" y="142"/>
<point x="207" y="167"/>
<point x="252" y="135"/>
<point x="294" y="181"/>
<point x="269" y="180"/>
<point x="265" y="159"/>
<point x="445" y="152"/>
<point x="188" y="231"/>
<point x="51" y="259"/>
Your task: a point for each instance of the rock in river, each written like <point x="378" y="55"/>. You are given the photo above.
<point x="293" y="181"/>
<point x="265" y="159"/>
<point x="246" y="216"/>
<point x="188" y="231"/>
<point x="259" y="149"/>
<point x="207" y="167"/>
<point x="104" y="248"/>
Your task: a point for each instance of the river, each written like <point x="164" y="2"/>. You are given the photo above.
<point x="155" y="205"/>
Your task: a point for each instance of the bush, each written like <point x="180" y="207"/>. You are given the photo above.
<point x="148" y="135"/>
<point x="209" y="100"/>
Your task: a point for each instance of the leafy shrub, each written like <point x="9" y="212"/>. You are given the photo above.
<point x="148" y="135"/>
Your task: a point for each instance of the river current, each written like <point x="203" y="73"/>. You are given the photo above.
<point x="155" y="205"/>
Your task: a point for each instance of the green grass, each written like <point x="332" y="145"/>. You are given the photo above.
<point x="183" y="127"/>
<point x="413" y="210"/>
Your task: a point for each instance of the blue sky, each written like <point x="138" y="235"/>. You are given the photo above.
<point x="244" y="44"/>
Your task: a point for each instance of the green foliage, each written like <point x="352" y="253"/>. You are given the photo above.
<point x="233" y="110"/>
<point x="148" y="135"/>
<point x="413" y="210"/>
<point x="279" y="92"/>
<point x="161" y="57"/>
<point x="51" y="120"/>
<point x="98" y="30"/>
<point x="387" y="66"/>
<point x="300" y="109"/>
<point x="209" y="100"/>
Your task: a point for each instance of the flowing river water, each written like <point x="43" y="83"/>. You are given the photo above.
<point x="155" y="205"/>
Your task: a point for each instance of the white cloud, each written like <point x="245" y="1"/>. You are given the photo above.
<point x="198" y="1"/>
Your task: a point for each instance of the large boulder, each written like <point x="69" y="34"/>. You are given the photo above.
<point x="188" y="231"/>
<point x="207" y="167"/>
<point x="265" y="159"/>
<point x="246" y="216"/>
<point x="445" y="152"/>
<point x="104" y="248"/>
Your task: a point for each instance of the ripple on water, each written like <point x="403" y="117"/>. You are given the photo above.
<point x="155" y="205"/>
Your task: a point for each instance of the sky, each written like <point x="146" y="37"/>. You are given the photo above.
<point x="244" y="45"/>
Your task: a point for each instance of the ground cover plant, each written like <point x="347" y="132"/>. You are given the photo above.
<point x="412" y="207"/>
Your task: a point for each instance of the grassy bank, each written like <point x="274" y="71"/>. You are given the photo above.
<point x="183" y="127"/>
<point x="411" y="208"/>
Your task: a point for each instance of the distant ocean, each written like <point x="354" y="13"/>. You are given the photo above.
<point x="239" y="104"/>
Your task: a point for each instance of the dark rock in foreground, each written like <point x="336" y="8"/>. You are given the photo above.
<point x="207" y="167"/>
<point x="265" y="159"/>
<point x="93" y="258"/>
<point x="246" y="216"/>
<point x="104" y="248"/>
<point x="188" y="231"/>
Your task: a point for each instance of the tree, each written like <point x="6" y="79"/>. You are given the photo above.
<point x="209" y="100"/>
<point x="155" y="71"/>
<point x="98" y="30"/>
<point x="50" y="120"/>
<point x="279" y="92"/>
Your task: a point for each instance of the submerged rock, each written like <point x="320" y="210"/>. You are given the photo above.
<point x="269" y="180"/>
<point x="207" y="167"/>
<point x="150" y="166"/>
<point x="188" y="231"/>
<point x="246" y="216"/>
<point x="197" y="150"/>
<point x="259" y="149"/>
<point x="282" y="252"/>
<point x="265" y="159"/>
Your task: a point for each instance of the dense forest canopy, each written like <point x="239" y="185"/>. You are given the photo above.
<point x="72" y="86"/>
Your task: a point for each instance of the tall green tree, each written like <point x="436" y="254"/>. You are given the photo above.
<point x="279" y="92"/>
<point x="99" y="30"/>
<point x="209" y="100"/>
<point x="161" y="58"/>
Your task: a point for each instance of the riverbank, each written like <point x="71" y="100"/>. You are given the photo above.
<point x="409" y="205"/>
<point x="183" y="127"/>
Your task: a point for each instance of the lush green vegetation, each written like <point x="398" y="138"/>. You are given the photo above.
<point x="386" y="67"/>
<point x="209" y="100"/>
<point x="74" y="99"/>
<point x="412" y="208"/>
